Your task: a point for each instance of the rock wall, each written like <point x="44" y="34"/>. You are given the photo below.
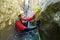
<point x="50" y="22"/>
<point x="8" y="14"/>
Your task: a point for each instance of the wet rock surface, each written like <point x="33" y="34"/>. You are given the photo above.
<point x="8" y="10"/>
<point x="50" y="22"/>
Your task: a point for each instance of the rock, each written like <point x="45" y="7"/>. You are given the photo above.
<point x="8" y="15"/>
<point x="50" y="22"/>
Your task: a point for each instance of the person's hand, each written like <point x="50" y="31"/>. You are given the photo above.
<point x="37" y="9"/>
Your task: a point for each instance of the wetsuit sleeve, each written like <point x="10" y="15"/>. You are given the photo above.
<point x="33" y="27"/>
<point x="29" y="29"/>
<point x="20" y="26"/>
<point x="30" y="18"/>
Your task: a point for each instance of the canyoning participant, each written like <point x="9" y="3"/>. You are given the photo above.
<point x="22" y="22"/>
<point x="22" y="25"/>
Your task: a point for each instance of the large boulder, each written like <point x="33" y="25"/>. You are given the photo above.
<point x="50" y="22"/>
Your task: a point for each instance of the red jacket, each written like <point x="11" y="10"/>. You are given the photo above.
<point x="20" y="26"/>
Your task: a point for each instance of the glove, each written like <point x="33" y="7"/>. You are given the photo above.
<point x="38" y="23"/>
<point x="37" y="9"/>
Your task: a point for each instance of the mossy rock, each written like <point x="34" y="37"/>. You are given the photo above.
<point x="50" y="22"/>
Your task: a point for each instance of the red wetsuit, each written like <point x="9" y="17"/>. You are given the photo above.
<point x="20" y="26"/>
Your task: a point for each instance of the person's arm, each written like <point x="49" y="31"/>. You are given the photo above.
<point x="20" y="26"/>
<point x="33" y="27"/>
<point x="30" y="18"/>
<point x="30" y="29"/>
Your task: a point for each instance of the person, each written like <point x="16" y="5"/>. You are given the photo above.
<point x="21" y="24"/>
